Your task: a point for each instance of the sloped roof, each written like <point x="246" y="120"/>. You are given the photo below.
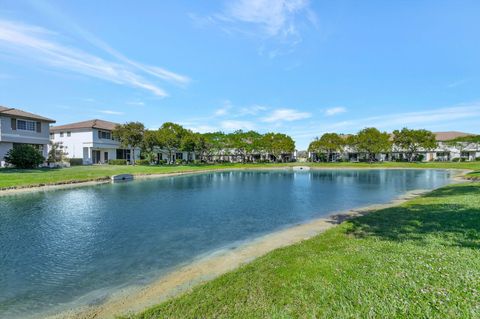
<point x="22" y="114"/>
<point x="95" y="123"/>
<point x="450" y="135"/>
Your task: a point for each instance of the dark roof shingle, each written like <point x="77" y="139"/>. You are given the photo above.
<point x="451" y="135"/>
<point x="95" y="123"/>
<point x="22" y="114"/>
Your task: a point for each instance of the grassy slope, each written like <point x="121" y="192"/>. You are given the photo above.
<point x="21" y="178"/>
<point x="418" y="260"/>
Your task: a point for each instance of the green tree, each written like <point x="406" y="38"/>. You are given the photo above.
<point x="130" y="135"/>
<point x="170" y="137"/>
<point x="24" y="156"/>
<point x="371" y="141"/>
<point x="411" y="141"/>
<point x="278" y="144"/>
<point x="215" y="144"/>
<point x="244" y="143"/>
<point x="328" y="143"/>
<point x="57" y="152"/>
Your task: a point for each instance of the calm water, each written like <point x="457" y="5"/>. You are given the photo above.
<point x="58" y="246"/>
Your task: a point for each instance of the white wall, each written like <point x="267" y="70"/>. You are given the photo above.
<point x="75" y="143"/>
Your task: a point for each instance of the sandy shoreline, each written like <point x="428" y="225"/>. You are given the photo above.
<point x="78" y="184"/>
<point x="136" y="299"/>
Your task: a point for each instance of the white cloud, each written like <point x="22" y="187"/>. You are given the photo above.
<point x="37" y="44"/>
<point x="136" y="103"/>
<point x="232" y="125"/>
<point x="335" y="110"/>
<point x="201" y="128"/>
<point x="435" y="119"/>
<point x="275" y="17"/>
<point x="277" y="23"/>
<point x="457" y="83"/>
<point x="252" y="110"/>
<point x="111" y="112"/>
<point x="227" y="105"/>
<point x="287" y="115"/>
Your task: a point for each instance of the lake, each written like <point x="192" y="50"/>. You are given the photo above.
<point x="59" y="245"/>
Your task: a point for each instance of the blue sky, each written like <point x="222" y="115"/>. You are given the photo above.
<point x="299" y="67"/>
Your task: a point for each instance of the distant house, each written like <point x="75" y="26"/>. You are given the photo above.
<point x="91" y="140"/>
<point x="20" y="127"/>
<point x="447" y="149"/>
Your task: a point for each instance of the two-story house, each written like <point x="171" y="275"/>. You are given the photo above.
<point x="91" y="141"/>
<point x="20" y="127"/>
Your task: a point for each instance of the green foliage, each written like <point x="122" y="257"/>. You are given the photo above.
<point x="130" y="135"/>
<point x="57" y="153"/>
<point x="328" y="143"/>
<point x="278" y="144"/>
<point x="143" y="162"/>
<point x="468" y="139"/>
<point x="410" y="141"/>
<point x="169" y="137"/>
<point x="24" y="156"/>
<point x="75" y="161"/>
<point x="371" y="141"/>
<point x="417" y="260"/>
<point x="117" y="162"/>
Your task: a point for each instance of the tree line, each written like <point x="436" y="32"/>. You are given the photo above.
<point x="248" y="146"/>
<point x="371" y="141"/>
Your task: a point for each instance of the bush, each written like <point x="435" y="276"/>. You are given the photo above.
<point x="117" y="162"/>
<point x="456" y="159"/>
<point x="24" y="156"/>
<point x="142" y="162"/>
<point x="76" y="161"/>
<point x="162" y="162"/>
<point x="420" y="157"/>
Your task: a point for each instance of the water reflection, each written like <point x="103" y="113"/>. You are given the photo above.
<point x="57" y="246"/>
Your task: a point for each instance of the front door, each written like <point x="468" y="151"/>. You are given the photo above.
<point x="95" y="157"/>
<point x="105" y="157"/>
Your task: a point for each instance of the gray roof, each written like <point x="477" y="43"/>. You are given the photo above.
<point x="95" y="123"/>
<point x="12" y="112"/>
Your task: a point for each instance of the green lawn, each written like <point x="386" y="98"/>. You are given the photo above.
<point x="24" y="178"/>
<point x="417" y="260"/>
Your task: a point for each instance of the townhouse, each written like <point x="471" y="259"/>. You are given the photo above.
<point x="447" y="150"/>
<point x="20" y="127"/>
<point x="92" y="141"/>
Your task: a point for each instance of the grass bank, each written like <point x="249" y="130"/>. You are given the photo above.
<point x="11" y="178"/>
<point x="418" y="260"/>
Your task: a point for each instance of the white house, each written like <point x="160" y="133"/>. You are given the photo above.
<point x="20" y="127"/>
<point x="446" y="150"/>
<point x="91" y="141"/>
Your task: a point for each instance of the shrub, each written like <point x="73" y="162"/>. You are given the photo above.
<point x="142" y="162"/>
<point x="162" y="162"/>
<point x="24" y="156"/>
<point x="117" y="162"/>
<point x="76" y="161"/>
<point x="456" y="159"/>
<point x="420" y="157"/>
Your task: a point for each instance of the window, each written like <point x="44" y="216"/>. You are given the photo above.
<point x="69" y="134"/>
<point x="52" y="136"/>
<point x="61" y="134"/>
<point x="104" y="135"/>
<point x="26" y="125"/>
<point x="179" y="156"/>
<point x="123" y="154"/>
